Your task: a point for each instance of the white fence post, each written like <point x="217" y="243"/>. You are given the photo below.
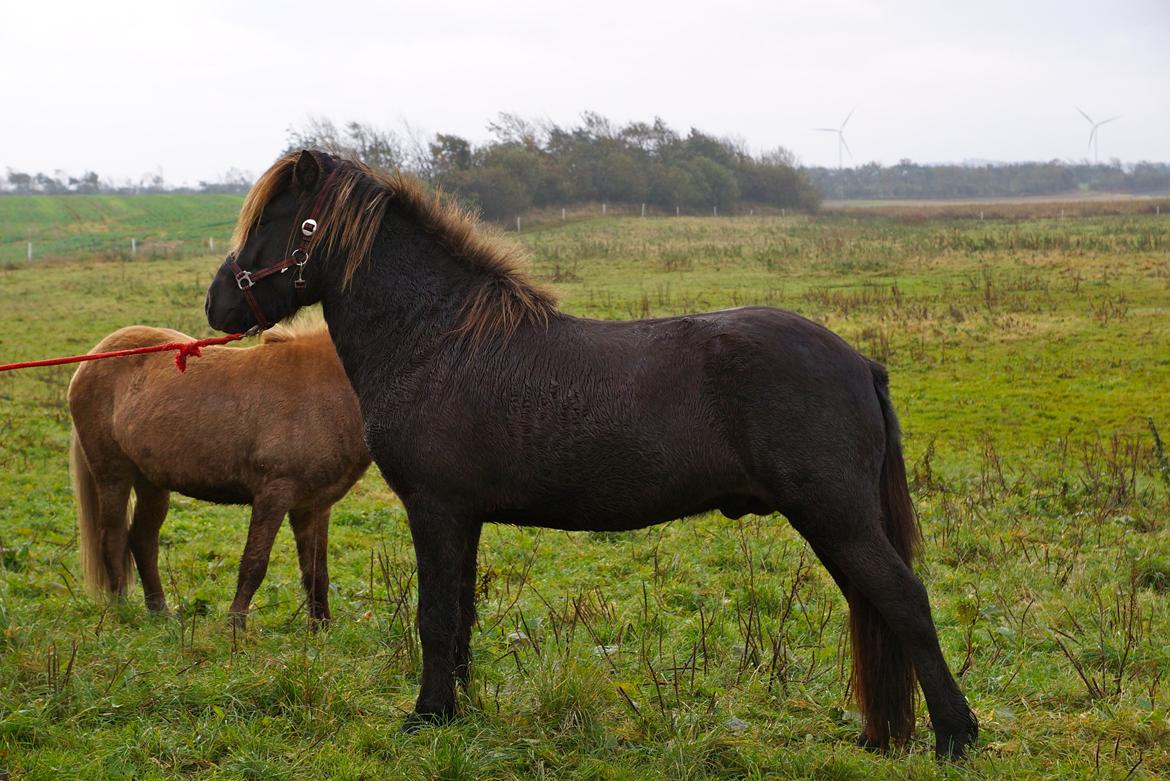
<point x="562" y="214"/>
<point x="133" y="246"/>
<point x="675" y="211"/>
<point x="30" y="250"/>
<point x="603" y="210"/>
<point x="643" y="210"/>
<point x="517" y="223"/>
<point x="211" y="244"/>
<point x="714" y="211"/>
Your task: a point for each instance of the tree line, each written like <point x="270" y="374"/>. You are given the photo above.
<point x="529" y="164"/>
<point x="90" y="183"/>
<point x="911" y="180"/>
<point x="526" y="164"/>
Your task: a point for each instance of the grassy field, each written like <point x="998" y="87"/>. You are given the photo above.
<point x="1030" y="364"/>
<point x="101" y="226"/>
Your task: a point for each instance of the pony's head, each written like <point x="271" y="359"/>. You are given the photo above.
<point x="278" y="253"/>
<point x="311" y="221"/>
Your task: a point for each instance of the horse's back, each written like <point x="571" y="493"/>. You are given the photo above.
<point x="131" y="336"/>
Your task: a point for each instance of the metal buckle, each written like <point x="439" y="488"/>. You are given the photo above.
<point x="308" y="228"/>
<point x="300" y="256"/>
<point x="244" y="280"/>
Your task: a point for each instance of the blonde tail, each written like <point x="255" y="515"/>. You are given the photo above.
<point x="89" y="532"/>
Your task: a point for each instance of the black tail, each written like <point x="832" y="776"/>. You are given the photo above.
<point x="883" y="681"/>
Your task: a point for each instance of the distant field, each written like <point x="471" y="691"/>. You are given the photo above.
<point x="101" y="226"/>
<point x="1088" y="204"/>
<point x="1030" y="365"/>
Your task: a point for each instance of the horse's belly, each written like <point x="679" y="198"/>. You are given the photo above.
<point x="194" y="476"/>
<point x="219" y="493"/>
<point x="603" y="507"/>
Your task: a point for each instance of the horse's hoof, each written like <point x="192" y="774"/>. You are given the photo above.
<point x="954" y="747"/>
<point x="417" y="721"/>
<point x="869" y="744"/>
<point x="238" y="621"/>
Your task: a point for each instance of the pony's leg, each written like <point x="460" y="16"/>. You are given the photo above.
<point x="311" y="529"/>
<point x="871" y="565"/>
<point x="113" y="499"/>
<point x="467" y="582"/>
<point x="440" y="545"/>
<point x="268" y="511"/>
<point x="150" y="510"/>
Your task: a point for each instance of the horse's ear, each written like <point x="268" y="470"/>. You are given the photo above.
<point x="307" y="172"/>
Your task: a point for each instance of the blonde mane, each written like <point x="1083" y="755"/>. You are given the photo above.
<point x="303" y="326"/>
<point x="352" y="214"/>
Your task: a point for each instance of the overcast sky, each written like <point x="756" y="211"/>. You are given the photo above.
<point x="193" y="89"/>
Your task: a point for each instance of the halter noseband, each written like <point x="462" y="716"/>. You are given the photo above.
<point x="246" y="280"/>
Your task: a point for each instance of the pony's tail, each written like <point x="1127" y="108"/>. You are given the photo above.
<point x="882" y="679"/>
<point x="89" y="531"/>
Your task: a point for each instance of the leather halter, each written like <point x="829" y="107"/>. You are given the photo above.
<point x="246" y="280"/>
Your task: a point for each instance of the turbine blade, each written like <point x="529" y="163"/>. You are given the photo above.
<point x="850" y="114"/>
<point x="846" y="144"/>
<point x="1107" y="121"/>
<point x="826" y="129"/>
<point x="1083" y="114"/>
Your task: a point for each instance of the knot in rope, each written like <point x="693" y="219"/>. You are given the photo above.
<point x="183" y="350"/>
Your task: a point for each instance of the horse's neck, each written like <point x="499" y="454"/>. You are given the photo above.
<point x="402" y="301"/>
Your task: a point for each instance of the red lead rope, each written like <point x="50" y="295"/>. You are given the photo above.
<point x="183" y="351"/>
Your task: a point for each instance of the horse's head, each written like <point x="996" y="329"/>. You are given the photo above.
<point x="274" y="267"/>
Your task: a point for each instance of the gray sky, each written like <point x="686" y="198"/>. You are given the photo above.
<point x="193" y="89"/>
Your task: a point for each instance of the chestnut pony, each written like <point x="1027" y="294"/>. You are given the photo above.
<point x="484" y="403"/>
<point x="276" y="426"/>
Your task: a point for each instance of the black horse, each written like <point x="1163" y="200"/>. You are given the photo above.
<point x="484" y="403"/>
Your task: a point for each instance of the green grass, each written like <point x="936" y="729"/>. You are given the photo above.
<point x="164" y="226"/>
<point x="1029" y="360"/>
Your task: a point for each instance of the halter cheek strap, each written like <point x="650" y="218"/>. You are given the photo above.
<point x="246" y="280"/>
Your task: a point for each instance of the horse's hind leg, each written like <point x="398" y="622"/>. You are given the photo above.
<point x="879" y="577"/>
<point x="150" y="510"/>
<point x="113" y="500"/>
<point x="268" y="510"/>
<point x="311" y="529"/>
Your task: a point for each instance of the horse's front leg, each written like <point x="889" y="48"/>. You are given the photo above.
<point x="311" y="529"/>
<point x="268" y="510"/>
<point x="441" y="541"/>
<point x="467" y="583"/>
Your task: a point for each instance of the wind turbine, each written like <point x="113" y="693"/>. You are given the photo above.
<point x="1093" y="135"/>
<point x="840" y="131"/>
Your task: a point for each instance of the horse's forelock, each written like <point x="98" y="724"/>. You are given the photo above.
<point x="270" y="183"/>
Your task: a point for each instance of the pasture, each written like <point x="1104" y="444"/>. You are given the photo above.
<point x="1030" y="366"/>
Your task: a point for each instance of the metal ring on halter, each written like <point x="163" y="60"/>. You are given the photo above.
<point x="308" y="228"/>
<point x="244" y="280"/>
<point x="300" y="255"/>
